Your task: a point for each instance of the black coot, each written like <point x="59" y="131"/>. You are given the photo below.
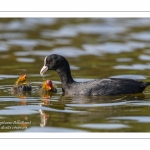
<point x="105" y="87"/>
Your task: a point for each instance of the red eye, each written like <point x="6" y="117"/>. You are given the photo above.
<point x="48" y="61"/>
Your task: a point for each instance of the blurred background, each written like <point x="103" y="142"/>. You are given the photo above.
<point x="95" y="48"/>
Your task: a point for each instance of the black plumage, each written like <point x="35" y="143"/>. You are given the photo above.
<point x="105" y="86"/>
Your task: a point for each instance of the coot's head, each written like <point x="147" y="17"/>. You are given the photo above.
<point x="47" y="85"/>
<point x="53" y="62"/>
<point x="21" y="79"/>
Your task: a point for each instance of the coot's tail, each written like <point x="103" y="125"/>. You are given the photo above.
<point x="145" y="84"/>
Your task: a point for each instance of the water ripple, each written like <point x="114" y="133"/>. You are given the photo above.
<point x="36" y="109"/>
<point x="10" y="35"/>
<point x="129" y="76"/>
<point x="143" y="36"/>
<point x="2" y="76"/>
<point x="133" y="67"/>
<point x="124" y="59"/>
<point x="103" y="126"/>
<point x="144" y="57"/>
<point x="92" y="28"/>
<point x="25" y="59"/>
<point x="52" y="129"/>
<point x="23" y="42"/>
<point x="65" y="51"/>
<point x="3" y="47"/>
<point x="143" y="119"/>
<point x="96" y="105"/>
<point x="63" y="32"/>
<point x="17" y="112"/>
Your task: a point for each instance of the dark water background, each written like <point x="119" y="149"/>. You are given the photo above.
<point x="95" y="48"/>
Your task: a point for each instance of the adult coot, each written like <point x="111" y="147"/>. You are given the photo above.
<point x="109" y="86"/>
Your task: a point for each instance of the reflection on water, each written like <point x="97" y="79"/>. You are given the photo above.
<point x="133" y="67"/>
<point x="95" y="48"/>
<point x="104" y="126"/>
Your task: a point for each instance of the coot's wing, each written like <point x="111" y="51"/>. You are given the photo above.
<point x="115" y="86"/>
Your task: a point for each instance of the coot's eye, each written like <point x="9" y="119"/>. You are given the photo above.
<point x="48" y="61"/>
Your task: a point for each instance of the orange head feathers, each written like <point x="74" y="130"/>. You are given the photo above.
<point x="21" y="85"/>
<point x="21" y="79"/>
<point x="48" y="86"/>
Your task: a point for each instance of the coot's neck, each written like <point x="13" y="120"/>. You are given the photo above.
<point x="65" y="74"/>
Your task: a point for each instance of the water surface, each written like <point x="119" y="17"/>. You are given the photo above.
<point x="95" y="48"/>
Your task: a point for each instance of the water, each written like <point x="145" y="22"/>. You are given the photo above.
<point x="95" y="48"/>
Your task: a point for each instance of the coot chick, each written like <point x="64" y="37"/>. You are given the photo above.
<point x="47" y="87"/>
<point x="21" y="85"/>
<point x="105" y="87"/>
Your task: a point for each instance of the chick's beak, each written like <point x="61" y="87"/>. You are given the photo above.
<point x="43" y="70"/>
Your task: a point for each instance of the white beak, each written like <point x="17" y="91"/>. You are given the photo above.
<point x="43" y="70"/>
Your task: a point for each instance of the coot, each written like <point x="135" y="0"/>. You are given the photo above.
<point x="105" y="87"/>
<point x="48" y="86"/>
<point x="46" y="90"/>
<point x="21" y="85"/>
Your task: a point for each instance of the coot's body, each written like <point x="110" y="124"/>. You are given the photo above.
<point x="110" y="86"/>
<point x="22" y="88"/>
